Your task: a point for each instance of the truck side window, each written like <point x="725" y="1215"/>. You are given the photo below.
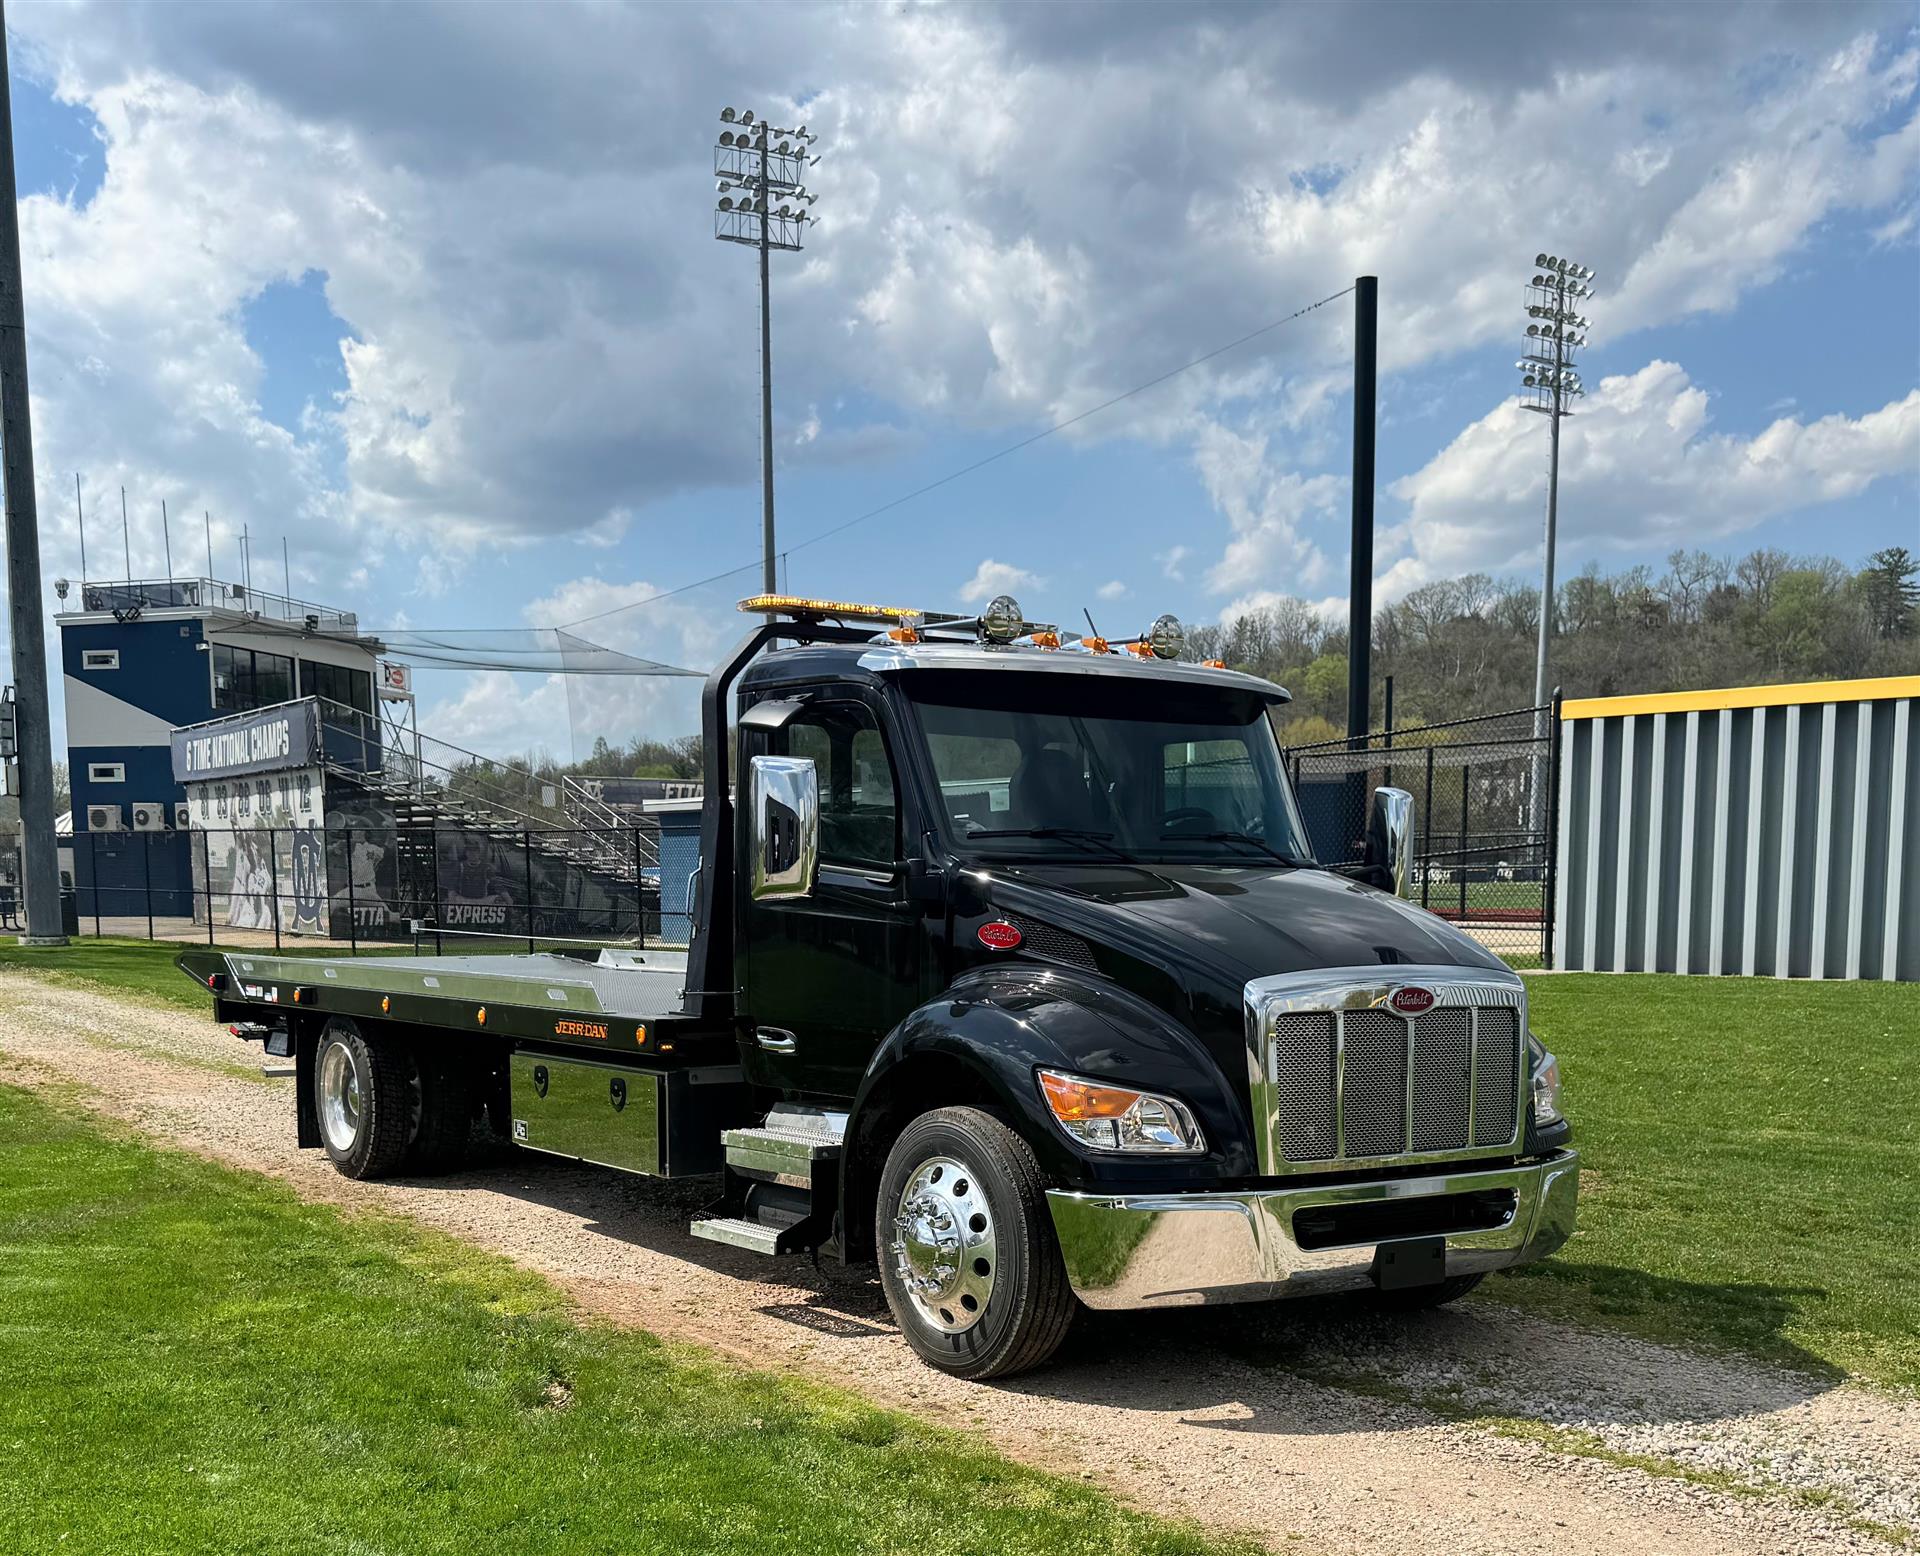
<point x="859" y="809"/>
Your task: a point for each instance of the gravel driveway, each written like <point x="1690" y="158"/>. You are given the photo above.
<point x="1303" y="1421"/>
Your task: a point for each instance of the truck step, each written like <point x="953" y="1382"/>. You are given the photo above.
<point x="738" y="1232"/>
<point x="781" y="1153"/>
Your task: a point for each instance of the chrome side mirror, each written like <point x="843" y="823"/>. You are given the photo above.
<point x="786" y="826"/>
<point x="1389" y="844"/>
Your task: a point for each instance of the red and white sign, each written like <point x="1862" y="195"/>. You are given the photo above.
<point x="396" y="681"/>
<point x="1411" y="1000"/>
<point x="999" y="935"/>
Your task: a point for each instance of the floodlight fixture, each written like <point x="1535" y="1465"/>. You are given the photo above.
<point x="1551" y="385"/>
<point x="748" y="175"/>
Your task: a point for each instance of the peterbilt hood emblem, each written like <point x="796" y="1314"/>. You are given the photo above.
<point x="1411" y="1000"/>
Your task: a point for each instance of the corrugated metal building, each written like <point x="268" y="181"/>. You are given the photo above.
<point x="1759" y="830"/>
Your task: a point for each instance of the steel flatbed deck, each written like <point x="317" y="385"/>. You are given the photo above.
<point x="624" y="1002"/>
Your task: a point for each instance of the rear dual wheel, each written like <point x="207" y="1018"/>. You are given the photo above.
<point x="384" y="1108"/>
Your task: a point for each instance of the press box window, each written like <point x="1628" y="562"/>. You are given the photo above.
<point x="106" y="772"/>
<point x="99" y="659"/>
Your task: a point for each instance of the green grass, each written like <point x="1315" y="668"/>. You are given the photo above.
<point x="141" y="968"/>
<point x="195" y="1360"/>
<point x="1751" y="1154"/>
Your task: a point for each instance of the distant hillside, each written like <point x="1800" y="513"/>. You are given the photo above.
<point x="1466" y="645"/>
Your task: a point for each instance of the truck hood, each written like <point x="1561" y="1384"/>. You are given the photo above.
<point x="1239" y="922"/>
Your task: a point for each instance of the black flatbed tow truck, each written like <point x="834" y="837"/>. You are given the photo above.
<point x="1012" y="976"/>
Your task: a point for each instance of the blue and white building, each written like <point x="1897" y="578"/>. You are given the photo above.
<point x="143" y="658"/>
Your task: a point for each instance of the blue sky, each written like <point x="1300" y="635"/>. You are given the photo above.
<point x="486" y="379"/>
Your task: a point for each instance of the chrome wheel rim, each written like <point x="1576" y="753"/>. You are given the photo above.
<point x="340" y="1098"/>
<point x="944" y="1255"/>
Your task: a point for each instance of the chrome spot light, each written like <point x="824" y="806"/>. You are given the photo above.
<point x="1166" y="637"/>
<point x="1002" y="620"/>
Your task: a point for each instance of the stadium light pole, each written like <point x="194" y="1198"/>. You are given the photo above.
<point x="763" y="203"/>
<point x="1549" y="384"/>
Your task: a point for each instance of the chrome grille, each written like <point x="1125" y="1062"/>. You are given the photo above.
<point x="1495" y="1097"/>
<point x="1341" y="1077"/>
<point x="1442" y="1054"/>
<point x="1303" y="1085"/>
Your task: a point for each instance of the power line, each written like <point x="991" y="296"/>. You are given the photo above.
<point x="981" y="464"/>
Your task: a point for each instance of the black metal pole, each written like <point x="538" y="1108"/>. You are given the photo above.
<point x="206" y="874"/>
<point x="1366" y="332"/>
<point x="526" y="842"/>
<point x="353" y="913"/>
<point x="639" y="895"/>
<point x="147" y="859"/>
<point x="1426" y="823"/>
<point x="273" y="876"/>
<point x="1466" y="795"/>
<point x="40" y="855"/>
<point x="1552" y="839"/>
<point x="438" y="945"/>
<point x="93" y="860"/>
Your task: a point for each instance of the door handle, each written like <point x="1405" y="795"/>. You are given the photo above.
<point x="776" y="1040"/>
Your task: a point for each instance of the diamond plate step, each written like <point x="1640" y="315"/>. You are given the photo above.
<point x="773" y="1151"/>
<point x="737" y="1232"/>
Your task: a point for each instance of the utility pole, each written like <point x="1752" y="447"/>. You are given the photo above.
<point x="39" y="854"/>
<point x="1366" y="342"/>
<point x="166" y="536"/>
<point x="762" y="162"/>
<point x="1552" y="385"/>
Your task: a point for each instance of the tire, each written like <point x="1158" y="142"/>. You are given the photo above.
<point x="365" y="1097"/>
<point x="1418" y="1299"/>
<point x="1001" y="1304"/>
<point x="445" y="1127"/>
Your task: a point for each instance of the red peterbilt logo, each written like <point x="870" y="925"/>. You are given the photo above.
<point x="1411" y="1000"/>
<point x="999" y="935"/>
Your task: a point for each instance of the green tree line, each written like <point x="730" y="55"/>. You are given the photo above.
<point x="1462" y="646"/>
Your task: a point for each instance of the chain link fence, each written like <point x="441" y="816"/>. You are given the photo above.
<point x="1485" y="793"/>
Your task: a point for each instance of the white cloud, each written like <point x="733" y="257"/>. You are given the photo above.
<point x="1113" y="589"/>
<point x="986" y="262"/>
<point x="1640" y="467"/>
<point x="1173" y="561"/>
<point x="991" y="578"/>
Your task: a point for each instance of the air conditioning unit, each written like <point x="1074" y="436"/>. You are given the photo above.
<point x="149" y="816"/>
<point x="105" y="818"/>
<point x="182" y="815"/>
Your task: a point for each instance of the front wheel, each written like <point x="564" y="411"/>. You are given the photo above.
<point x="968" y="1258"/>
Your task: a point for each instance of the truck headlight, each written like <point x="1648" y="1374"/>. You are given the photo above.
<point x="1546" y="1083"/>
<point x="1117" y="1118"/>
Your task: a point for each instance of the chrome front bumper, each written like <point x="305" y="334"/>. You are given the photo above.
<point x="1192" y="1249"/>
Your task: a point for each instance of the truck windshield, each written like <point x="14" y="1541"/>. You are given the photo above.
<point x="1055" y="763"/>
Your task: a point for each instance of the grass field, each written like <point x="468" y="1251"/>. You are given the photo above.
<point x="1752" y="1166"/>
<point x="196" y="1361"/>
<point x="1752" y="1154"/>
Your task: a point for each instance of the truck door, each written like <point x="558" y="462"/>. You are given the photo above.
<point x="829" y="975"/>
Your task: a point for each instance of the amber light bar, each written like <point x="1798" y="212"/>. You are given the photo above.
<point x="800" y="605"/>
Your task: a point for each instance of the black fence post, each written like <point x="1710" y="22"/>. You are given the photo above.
<point x="1466" y="795"/>
<point x="146" y="859"/>
<point x="1551" y="842"/>
<point x="639" y="896"/>
<point x="206" y="874"/>
<point x="273" y="875"/>
<point x="526" y="839"/>
<point x="93" y="859"/>
<point x="439" y="947"/>
<point x="353" y="912"/>
<point x="1426" y="826"/>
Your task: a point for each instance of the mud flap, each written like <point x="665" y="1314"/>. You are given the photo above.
<point x="306" y="1115"/>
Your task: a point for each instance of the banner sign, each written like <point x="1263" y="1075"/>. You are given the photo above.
<point x="267" y="741"/>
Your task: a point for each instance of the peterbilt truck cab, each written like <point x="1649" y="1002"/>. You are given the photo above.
<point x="1015" y="978"/>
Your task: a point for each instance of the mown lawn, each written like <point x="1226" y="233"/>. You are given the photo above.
<point x="196" y="1361"/>
<point x="1752" y="1166"/>
<point x="142" y="968"/>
